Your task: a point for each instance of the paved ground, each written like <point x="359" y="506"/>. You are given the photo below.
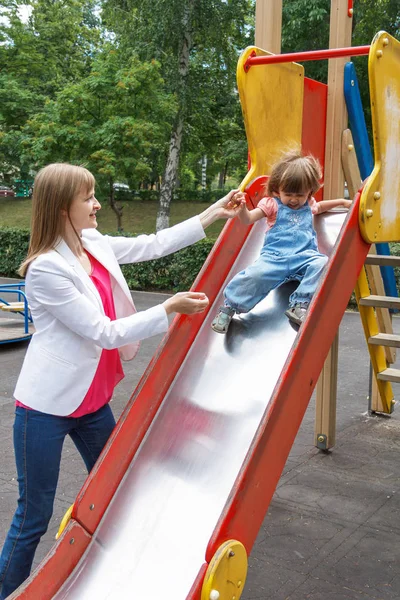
<point x="333" y="528"/>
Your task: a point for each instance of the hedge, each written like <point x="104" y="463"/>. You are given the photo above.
<point x="174" y="273"/>
<point x="13" y="250"/>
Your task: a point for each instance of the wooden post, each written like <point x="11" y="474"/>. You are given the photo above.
<point x="269" y="25"/>
<point x="336" y="122"/>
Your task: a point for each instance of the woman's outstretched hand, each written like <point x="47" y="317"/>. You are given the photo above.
<point x="186" y="303"/>
<point x="230" y="205"/>
<point x="226" y="208"/>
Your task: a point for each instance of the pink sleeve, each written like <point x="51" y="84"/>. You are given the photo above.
<point x="313" y="204"/>
<point x="269" y="207"/>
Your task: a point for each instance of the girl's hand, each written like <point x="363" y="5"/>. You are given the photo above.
<point x="238" y="201"/>
<point x="229" y="206"/>
<point x="186" y="303"/>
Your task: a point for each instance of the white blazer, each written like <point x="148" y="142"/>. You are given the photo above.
<point x="70" y="325"/>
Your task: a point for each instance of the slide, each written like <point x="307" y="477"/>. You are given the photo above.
<point x="175" y="502"/>
<point x="196" y="456"/>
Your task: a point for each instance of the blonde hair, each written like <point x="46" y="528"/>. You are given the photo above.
<point x="296" y="174"/>
<point x="54" y="189"/>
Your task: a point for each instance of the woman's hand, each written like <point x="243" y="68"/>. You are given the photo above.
<point x="231" y="204"/>
<point x="186" y="303"/>
<point x="228" y="207"/>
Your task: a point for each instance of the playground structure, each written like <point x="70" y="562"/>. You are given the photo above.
<point x="173" y="506"/>
<point x="23" y="188"/>
<point x="13" y="300"/>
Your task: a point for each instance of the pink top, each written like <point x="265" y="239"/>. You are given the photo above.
<point x="269" y="206"/>
<point x="109" y="370"/>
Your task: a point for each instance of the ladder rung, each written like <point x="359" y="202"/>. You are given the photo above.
<point x="390" y="375"/>
<point x="383" y="260"/>
<point x="385" y="339"/>
<point x="13" y="307"/>
<point x="380" y="301"/>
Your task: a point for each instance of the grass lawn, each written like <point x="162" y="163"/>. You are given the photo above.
<point x="138" y="217"/>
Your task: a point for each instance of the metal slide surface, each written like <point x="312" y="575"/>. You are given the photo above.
<point x="153" y="537"/>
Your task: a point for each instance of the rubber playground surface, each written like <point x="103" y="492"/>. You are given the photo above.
<point x="332" y="531"/>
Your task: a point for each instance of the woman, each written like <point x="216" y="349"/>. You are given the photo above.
<point x="85" y="321"/>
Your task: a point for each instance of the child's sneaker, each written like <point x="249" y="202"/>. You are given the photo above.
<point x="222" y="319"/>
<point x="297" y="313"/>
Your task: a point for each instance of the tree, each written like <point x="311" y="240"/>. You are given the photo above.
<point x="37" y="59"/>
<point x="305" y="26"/>
<point x="111" y="120"/>
<point x="195" y="41"/>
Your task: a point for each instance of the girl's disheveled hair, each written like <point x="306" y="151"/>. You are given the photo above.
<point x="296" y="174"/>
<point x="54" y="189"/>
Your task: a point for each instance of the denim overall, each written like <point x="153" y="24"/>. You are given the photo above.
<point x="290" y="252"/>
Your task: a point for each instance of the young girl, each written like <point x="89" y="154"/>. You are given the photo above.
<point x="290" y="250"/>
<point x="85" y="322"/>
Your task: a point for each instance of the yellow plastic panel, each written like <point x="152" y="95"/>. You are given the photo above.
<point x="226" y="573"/>
<point x="380" y="200"/>
<point x="64" y="521"/>
<point x="272" y="103"/>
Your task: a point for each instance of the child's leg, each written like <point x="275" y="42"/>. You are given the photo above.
<point x="248" y="288"/>
<point x="309" y="269"/>
<point x="253" y="284"/>
<point x="310" y="272"/>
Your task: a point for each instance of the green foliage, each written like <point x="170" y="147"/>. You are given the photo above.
<point x="37" y="59"/>
<point x="112" y="120"/>
<point x="206" y="93"/>
<point x="13" y="250"/>
<point x="173" y="273"/>
<point x="53" y="47"/>
<point x="305" y="26"/>
<point x="100" y="82"/>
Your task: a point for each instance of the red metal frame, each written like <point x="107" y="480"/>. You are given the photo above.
<point x="350" y="8"/>
<point x="305" y="56"/>
<point x="62" y="559"/>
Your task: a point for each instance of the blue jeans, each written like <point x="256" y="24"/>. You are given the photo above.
<point x="38" y="442"/>
<point x="269" y="271"/>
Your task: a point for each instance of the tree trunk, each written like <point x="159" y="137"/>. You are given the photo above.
<point x="225" y="172"/>
<point x="168" y="183"/>
<point x="204" y="173"/>
<point x="171" y="169"/>
<point x="115" y="206"/>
